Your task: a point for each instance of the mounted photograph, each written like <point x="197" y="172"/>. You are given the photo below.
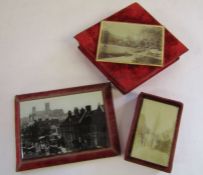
<point x="57" y="126"/>
<point x="131" y="43"/>
<point x="154" y="132"/>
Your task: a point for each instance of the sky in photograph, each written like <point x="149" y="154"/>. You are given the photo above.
<point x="125" y="30"/>
<point x="162" y="113"/>
<point x="68" y="102"/>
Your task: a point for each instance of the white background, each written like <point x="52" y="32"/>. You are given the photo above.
<point x="38" y="53"/>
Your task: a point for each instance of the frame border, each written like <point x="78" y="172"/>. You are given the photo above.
<point x="133" y="130"/>
<point x="112" y="150"/>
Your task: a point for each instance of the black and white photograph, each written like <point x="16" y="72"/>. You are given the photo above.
<point x="131" y="43"/>
<point x="62" y="125"/>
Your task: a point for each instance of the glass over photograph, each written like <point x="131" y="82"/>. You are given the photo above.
<point x="63" y="124"/>
<point x="155" y="131"/>
<point x="131" y="43"/>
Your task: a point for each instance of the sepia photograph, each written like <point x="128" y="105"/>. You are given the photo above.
<point x="64" y="124"/>
<point x="131" y="43"/>
<point x="153" y="139"/>
<point x="155" y="130"/>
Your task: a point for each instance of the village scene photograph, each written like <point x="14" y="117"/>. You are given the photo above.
<point x="154" y="134"/>
<point x="62" y="125"/>
<point x="131" y="43"/>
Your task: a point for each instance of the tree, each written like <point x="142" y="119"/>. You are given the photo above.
<point x="142" y="129"/>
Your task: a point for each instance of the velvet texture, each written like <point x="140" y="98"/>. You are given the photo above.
<point x="126" y="77"/>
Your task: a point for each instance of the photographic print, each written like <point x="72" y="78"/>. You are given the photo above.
<point x="153" y="139"/>
<point x="131" y="43"/>
<point x="64" y="123"/>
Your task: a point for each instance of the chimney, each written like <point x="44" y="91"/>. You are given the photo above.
<point x="88" y="108"/>
<point x="69" y="114"/>
<point x="33" y="110"/>
<point x="47" y="107"/>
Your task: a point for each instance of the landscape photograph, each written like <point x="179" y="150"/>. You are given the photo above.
<point x="131" y="43"/>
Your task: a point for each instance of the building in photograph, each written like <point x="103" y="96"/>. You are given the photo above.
<point x="47" y="113"/>
<point x="51" y="132"/>
<point x="85" y="129"/>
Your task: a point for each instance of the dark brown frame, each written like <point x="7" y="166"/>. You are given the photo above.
<point x="112" y="150"/>
<point x="133" y="129"/>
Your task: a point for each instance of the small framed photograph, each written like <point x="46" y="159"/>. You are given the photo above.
<point x="64" y="126"/>
<point x="131" y="43"/>
<point x="154" y="132"/>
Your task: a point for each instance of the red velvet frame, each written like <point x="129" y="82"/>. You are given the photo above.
<point x="134" y="128"/>
<point x="112" y="150"/>
<point x="124" y="76"/>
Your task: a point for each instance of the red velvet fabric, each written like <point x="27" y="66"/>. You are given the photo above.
<point x="126" y="77"/>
